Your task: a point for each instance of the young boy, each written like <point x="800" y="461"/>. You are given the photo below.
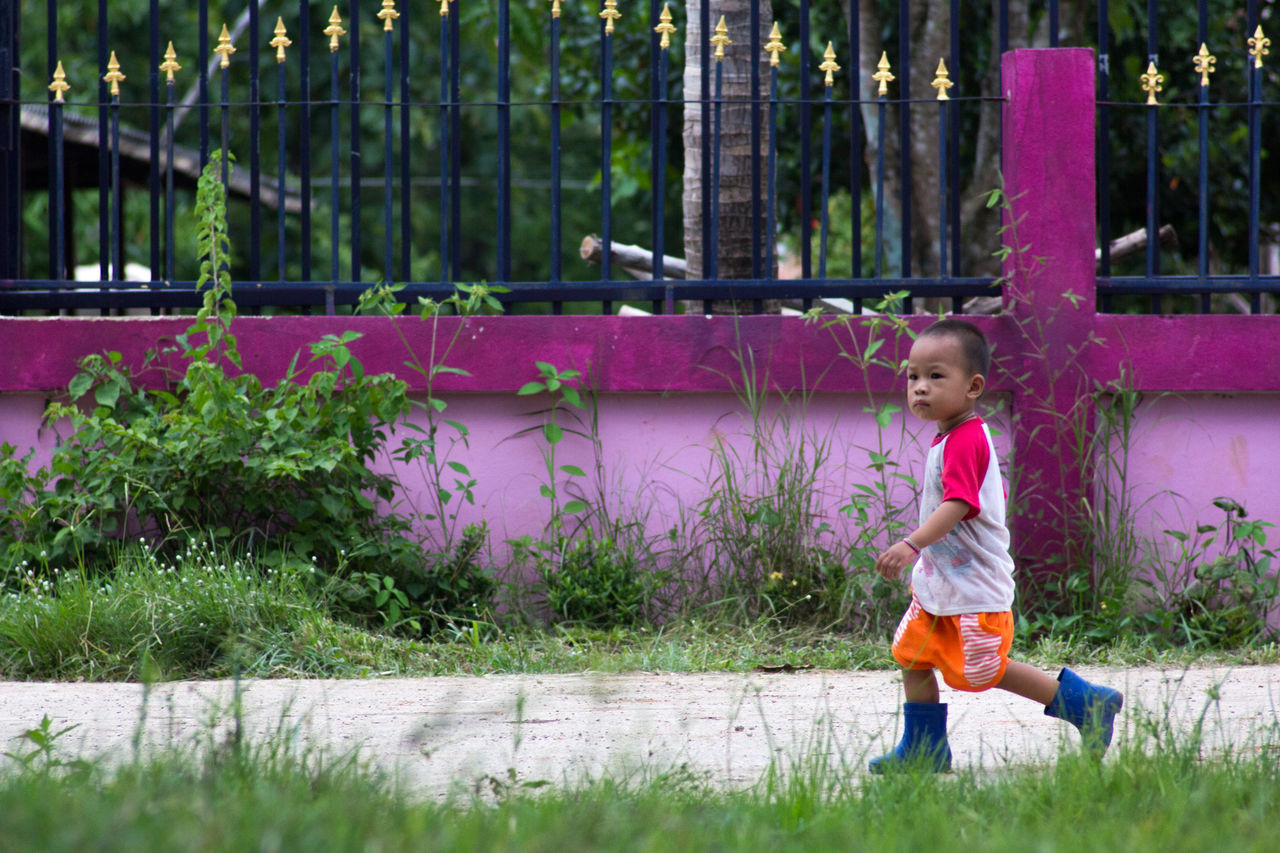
<point x="960" y="620"/>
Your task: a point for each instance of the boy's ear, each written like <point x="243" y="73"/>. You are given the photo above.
<point x="977" y="383"/>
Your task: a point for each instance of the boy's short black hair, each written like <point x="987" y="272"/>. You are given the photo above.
<point x="977" y="354"/>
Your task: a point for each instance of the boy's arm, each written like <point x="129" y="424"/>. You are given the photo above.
<point x="900" y="555"/>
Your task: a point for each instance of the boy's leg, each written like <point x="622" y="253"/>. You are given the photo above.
<point x="924" y="732"/>
<point x="1025" y="680"/>
<point x="921" y="685"/>
<point x="1089" y="707"/>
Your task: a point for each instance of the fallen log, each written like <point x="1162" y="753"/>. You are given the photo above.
<point x="634" y="260"/>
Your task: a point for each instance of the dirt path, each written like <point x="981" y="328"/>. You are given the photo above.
<point x="444" y="733"/>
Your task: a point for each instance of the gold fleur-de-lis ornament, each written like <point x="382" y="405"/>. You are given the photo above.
<point x="388" y="14"/>
<point x="829" y="65"/>
<point x="555" y="7"/>
<point x="942" y="81"/>
<point x="225" y="48"/>
<point x="113" y="75"/>
<point x="610" y="14"/>
<point x="1204" y="62"/>
<point x="59" y="86"/>
<point x="334" y="30"/>
<point x="882" y="75"/>
<point x="775" y="45"/>
<point x="721" y="39"/>
<point x="170" y="65"/>
<point x="281" y="41"/>
<point x="1151" y="83"/>
<point x="665" y="28"/>
<point x="1258" y="46"/>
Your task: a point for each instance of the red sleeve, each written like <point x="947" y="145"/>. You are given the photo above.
<point x="965" y="459"/>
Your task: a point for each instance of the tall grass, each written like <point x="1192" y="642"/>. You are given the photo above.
<point x="205" y="611"/>
<point x="1155" y="794"/>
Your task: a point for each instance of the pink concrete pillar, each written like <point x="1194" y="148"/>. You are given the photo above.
<point x="1048" y="162"/>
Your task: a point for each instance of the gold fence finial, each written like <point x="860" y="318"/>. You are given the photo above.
<point x="775" y="45"/>
<point x="170" y="65"/>
<point x="225" y="48"/>
<point x="610" y="14"/>
<point x="665" y="28"/>
<point x="281" y="41"/>
<point x="1204" y="62"/>
<point x="444" y="8"/>
<point x="721" y="39"/>
<point x="334" y="30"/>
<point x="882" y="76"/>
<point x="1258" y="46"/>
<point x="113" y="75"/>
<point x="59" y="86"/>
<point x="555" y="7"/>
<point x="942" y="81"/>
<point x="1151" y="83"/>
<point x="829" y="65"/>
<point x="388" y="14"/>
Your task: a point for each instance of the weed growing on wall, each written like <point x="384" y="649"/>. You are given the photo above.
<point x="591" y="568"/>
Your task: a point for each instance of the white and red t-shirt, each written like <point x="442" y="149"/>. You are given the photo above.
<point x="969" y="570"/>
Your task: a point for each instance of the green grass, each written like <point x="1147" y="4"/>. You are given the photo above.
<point x="209" y="613"/>
<point x="1151" y="795"/>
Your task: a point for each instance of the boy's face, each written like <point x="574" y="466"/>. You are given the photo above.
<point x="939" y="385"/>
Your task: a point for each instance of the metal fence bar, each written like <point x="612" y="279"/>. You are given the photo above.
<point x="775" y="41"/>
<point x="704" y="62"/>
<point x="104" y="161"/>
<point x="504" y="141"/>
<point x="406" y="219"/>
<point x="153" y="127"/>
<point x="1103" y="153"/>
<point x="354" y="141"/>
<point x="455" y="147"/>
<point x="1153" y="155"/>
<point x="756" y="213"/>
<point x="335" y="32"/>
<point x="446" y="146"/>
<point x="55" y="135"/>
<point x="280" y="42"/>
<point x="806" y="134"/>
<point x="830" y="67"/>
<point x="388" y="15"/>
<point x="170" y="85"/>
<point x="711" y="266"/>
<point x="202" y="79"/>
<point x="853" y="73"/>
<point x="1202" y="120"/>
<point x="556" y="237"/>
<point x="255" y="144"/>
<point x="904" y="142"/>
<point x="304" y="137"/>
<point x="57" y="207"/>
<point x="1255" y="148"/>
<point x="954" y="61"/>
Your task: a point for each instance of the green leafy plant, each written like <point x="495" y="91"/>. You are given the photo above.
<point x="42" y="757"/>
<point x="559" y="384"/>
<point x="186" y="446"/>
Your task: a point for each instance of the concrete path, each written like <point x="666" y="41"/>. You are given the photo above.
<point x="445" y="734"/>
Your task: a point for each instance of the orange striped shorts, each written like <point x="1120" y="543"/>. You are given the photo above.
<point x="971" y="650"/>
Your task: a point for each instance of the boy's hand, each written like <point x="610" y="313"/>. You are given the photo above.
<point x="896" y="558"/>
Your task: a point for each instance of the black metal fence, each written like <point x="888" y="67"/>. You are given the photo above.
<point x="460" y="141"/>
<point x="1220" y="237"/>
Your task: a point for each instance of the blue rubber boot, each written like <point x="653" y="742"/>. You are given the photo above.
<point x="1091" y="708"/>
<point x="924" y="740"/>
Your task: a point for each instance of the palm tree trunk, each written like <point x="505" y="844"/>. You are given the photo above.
<point x="735" y="232"/>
